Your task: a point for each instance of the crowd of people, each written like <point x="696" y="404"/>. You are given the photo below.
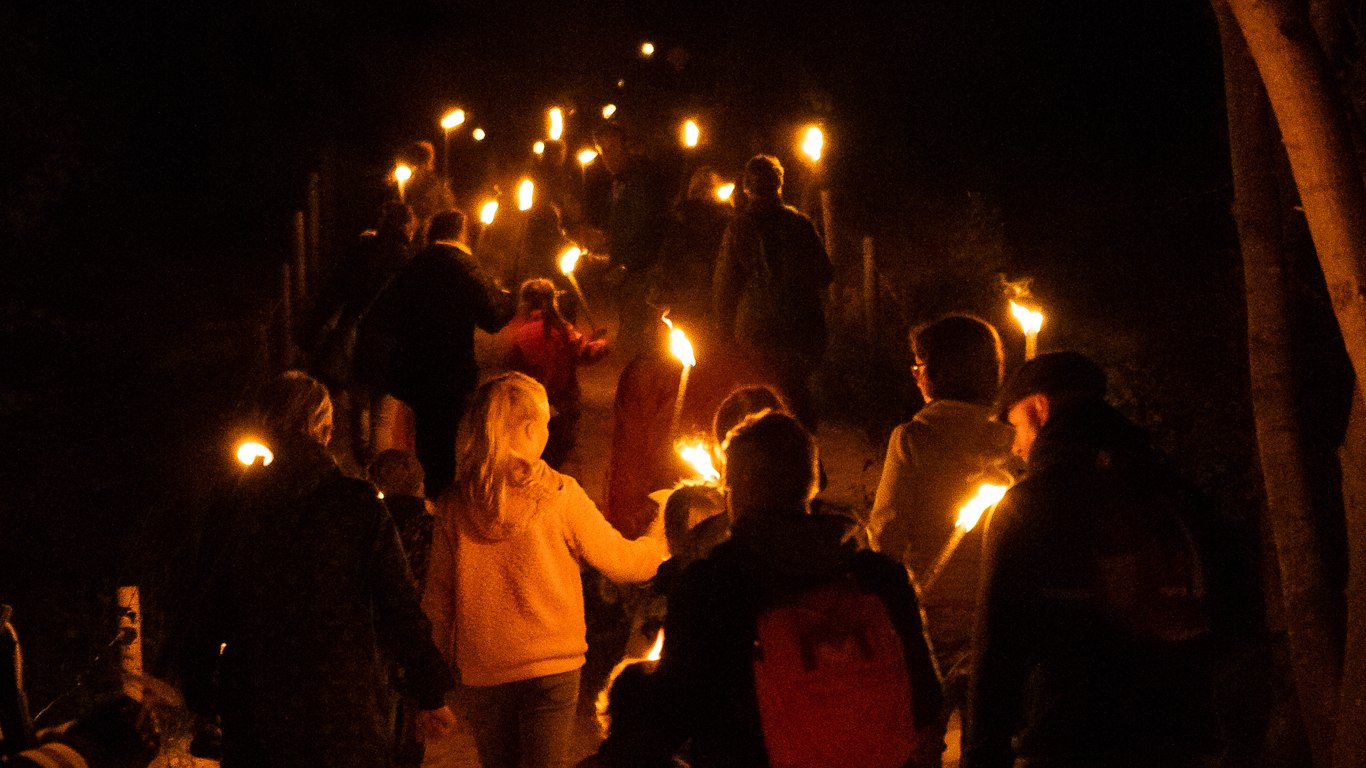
<point x="435" y="613"/>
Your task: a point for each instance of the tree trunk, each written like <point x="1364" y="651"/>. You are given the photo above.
<point x="1308" y="602"/>
<point x="1349" y="748"/>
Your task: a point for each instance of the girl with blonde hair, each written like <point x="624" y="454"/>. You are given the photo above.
<point x="503" y="586"/>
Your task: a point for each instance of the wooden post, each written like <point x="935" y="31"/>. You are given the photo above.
<point x="130" y="638"/>
<point x="300" y="258"/>
<point x="869" y="290"/>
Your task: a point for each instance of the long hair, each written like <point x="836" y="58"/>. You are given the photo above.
<point x="487" y="465"/>
<point x="538" y="293"/>
<point x="295" y="404"/>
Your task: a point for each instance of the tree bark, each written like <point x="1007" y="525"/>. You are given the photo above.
<point x="1307" y="597"/>
<point x="1349" y="747"/>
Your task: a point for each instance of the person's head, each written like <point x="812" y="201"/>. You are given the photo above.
<point x="396" y="473"/>
<point x="505" y="429"/>
<point x="688" y="505"/>
<point x="771" y="466"/>
<point x="448" y="226"/>
<point x="396" y="217"/>
<point x="958" y="357"/>
<point x="419" y="155"/>
<point x="539" y="294"/>
<point x="1033" y="394"/>
<point x="763" y="177"/>
<point x="295" y="404"/>
<point x="743" y="402"/>
<point x="610" y="138"/>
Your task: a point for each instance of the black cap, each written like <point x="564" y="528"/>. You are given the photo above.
<point x="1057" y="375"/>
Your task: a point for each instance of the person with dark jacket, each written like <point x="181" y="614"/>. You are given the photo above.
<point x="1082" y="657"/>
<point x="769" y="283"/>
<point x="430" y="312"/>
<point x="305" y="595"/>
<point x="704" y="687"/>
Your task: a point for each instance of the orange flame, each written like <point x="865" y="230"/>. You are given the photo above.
<point x="657" y="650"/>
<point x="986" y="497"/>
<point x="250" y="451"/>
<point x="697" y="454"/>
<point x="679" y="346"/>
<point x="570" y="259"/>
<point x="1030" y="320"/>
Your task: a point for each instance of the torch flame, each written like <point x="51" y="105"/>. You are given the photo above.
<point x="526" y="194"/>
<point x="453" y="119"/>
<point x="249" y="451"/>
<point x="647" y="49"/>
<point x="538" y="147"/>
<point x="488" y="211"/>
<point x="987" y="496"/>
<point x="402" y="173"/>
<point x="608" y="110"/>
<point x="691" y="133"/>
<point x="657" y="649"/>
<point x="1030" y="320"/>
<point x="570" y="259"/>
<point x="479" y="134"/>
<point x="679" y="346"/>
<point x="725" y="192"/>
<point x="556" y="123"/>
<point x="813" y="141"/>
<point x="699" y="457"/>
<point x="587" y="156"/>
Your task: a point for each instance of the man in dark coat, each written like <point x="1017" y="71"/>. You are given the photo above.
<point x="306" y="594"/>
<point x="1063" y="677"/>
<point x="704" y="686"/>
<point x="431" y="311"/>
<point x="769" y="283"/>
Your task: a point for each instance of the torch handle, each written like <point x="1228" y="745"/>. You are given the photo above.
<point x="678" y="401"/>
<point x="942" y="561"/>
<point x="583" y="302"/>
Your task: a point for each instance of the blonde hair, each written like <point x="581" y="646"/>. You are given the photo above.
<point x="294" y="403"/>
<point x="486" y="463"/>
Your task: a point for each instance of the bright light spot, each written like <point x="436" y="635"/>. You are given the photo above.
<point x="679" y="346"/>
<point x="987" y="496"/>
<point x="252" y="452"/>
<point x="725" y="192"/>
<point x="587" y="156"/>
<point x="402" y="173"/>
<point x="1030" y="320"/>
<point x="647" y="49"/>
<point x="526" y="195"/>
<point x="479" y="134"/>
<point x="610" y="109"/>
<point x="691" y="133"/>
<point x="657" y="649"/>
<point x="556" y="123"/>
<point x="621" y="83"/>
<point x="453" y="119"/>
<point x="538" y="147"/>
<point x="699" y="457"/>
<point x="488" y="211"/>
<point x="813" y="141"/>
<point x="570" y="259"/>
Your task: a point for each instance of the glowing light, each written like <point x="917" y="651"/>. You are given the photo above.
<point x="570" y="259"/>
<point x="647" y="49"/>
<point x="609" y="109"/>
<point x="556" y="124"/>
<point x="402" y="173"/>
<point x="538" y="147"/>
<point x="453" y="119"/>
<point x="587" y="156"/>
<point x="479" y="134"/>
<point x="488" y="211"/>
<point x="657" y="649"/>
<point x="698" y="456"/>
<point x="1030" y="320"/>
<point x="679" y="346"/>
<point x="526" y="195"/>
<point x="725" y="192"/>
<point x="813" y="141"/>
<point x="986" y="497"/>
<point x="251" y="452"/>
<point x="691" y="134"/>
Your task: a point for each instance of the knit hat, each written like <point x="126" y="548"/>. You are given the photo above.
<point x="1057" y="375"/>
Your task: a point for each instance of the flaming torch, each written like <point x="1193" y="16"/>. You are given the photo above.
<point x="724" y="192"/>
<point x="1030" y="322"/>
<point x="401" y="174"/>
<point x="487" y="212"/>
<point x="608" y="110"/>
<point x="251" y="452"/>
<point x="681" y="348"/>
<point x="556" y="124"/>
<point x="656" y="650"/>
<point x="691" y="134"/>
<point x="813" y="141"/>
<point x="698" y="456"/>
<point x="972" y="510"/>
<point x="453" y="119"/>
<point x="568" y="260"/>
<point x="526" y="195"/>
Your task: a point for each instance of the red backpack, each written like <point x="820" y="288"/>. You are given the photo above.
<point x="831" y="681"/>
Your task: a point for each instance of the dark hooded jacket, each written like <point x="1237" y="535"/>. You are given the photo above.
<point x="307" y="593"/>
<point x="1055" y="681"/>
<point x="706" y="677"/>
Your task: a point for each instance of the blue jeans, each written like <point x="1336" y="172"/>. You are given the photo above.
<point x="527" y="723"/>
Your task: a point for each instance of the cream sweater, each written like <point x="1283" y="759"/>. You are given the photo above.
<point x="503" y="589"/>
